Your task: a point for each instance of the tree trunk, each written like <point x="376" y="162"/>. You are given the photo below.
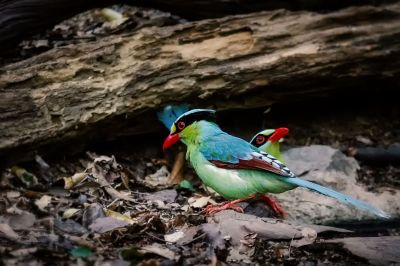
<point x="20" y="19"/>
<point x="110" y="87"/>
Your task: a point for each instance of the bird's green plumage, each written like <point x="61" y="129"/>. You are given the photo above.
<point x="205" y="140"/>
<point x="272" y="148"/>
<point x="207" y="145"/>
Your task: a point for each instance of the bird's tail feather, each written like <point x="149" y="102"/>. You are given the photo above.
<point x="170" y="113"/>
<point x="337" y="195"/>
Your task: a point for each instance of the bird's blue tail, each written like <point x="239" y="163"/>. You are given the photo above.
<point x="170" y="113"/>
<point x="339" y="196"/>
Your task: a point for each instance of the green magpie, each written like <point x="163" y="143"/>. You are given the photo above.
<point x="236" y="169"/>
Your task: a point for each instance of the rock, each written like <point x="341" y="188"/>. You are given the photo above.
<point x="331" y="168"/>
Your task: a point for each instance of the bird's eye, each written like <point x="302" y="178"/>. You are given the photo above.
<point x="260" y="139"/>
<point x="181" y="125"/>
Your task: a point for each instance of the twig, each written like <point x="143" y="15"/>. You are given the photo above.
<point x="155" y="237"/>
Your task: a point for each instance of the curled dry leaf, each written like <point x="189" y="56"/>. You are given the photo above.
<point x="106" y="167"/>
<point x="200" y="202"/>
<point x="70" y="213"/>
<point x="159" y="179"/>
<point x="70" y="182"/>
<point x="26" y="177"/>
<point x="43" y="202"/>
<point x="120" y="216"/>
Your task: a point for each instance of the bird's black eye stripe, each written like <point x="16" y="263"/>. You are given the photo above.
<point x="187" y="120"/>
<point x="259" y="140"/>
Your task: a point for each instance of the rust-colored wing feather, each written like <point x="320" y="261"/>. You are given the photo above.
<point x="258" y="161"/>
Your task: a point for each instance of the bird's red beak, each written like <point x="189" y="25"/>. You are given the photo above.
<point x="278" y="134"/>
<point x="170" y="140"/>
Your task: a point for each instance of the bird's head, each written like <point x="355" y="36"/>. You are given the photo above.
<point x="185" y="126"/>
<point x="269" y="135"/>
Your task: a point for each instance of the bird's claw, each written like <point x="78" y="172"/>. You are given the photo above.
<point x="210" y="209"/>
<point x="274" y="205"/>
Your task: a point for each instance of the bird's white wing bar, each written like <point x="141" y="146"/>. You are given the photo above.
<point x="278" y="165"/>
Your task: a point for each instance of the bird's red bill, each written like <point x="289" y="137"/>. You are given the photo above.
<point x="278" y="134"/>
<point x="170" y="140"/>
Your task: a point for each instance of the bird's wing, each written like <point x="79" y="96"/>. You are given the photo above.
<point x="226" y="151"/>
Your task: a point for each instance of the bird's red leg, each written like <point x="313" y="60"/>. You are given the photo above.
<point x="226" y="205"/>
<point x="274" y="205"/>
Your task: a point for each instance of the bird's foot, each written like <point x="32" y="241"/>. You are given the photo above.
<point x="274" y="205"/>
<point x="210" y="209"/>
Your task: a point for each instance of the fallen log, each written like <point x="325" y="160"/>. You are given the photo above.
<point x="112" y="87"/>
<point x="20" y="19"/>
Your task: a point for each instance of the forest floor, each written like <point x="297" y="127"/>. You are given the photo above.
<point x="112" y="205"/>
<point x="119" y="208"/>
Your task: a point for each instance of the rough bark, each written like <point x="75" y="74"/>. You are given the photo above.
<point x="20" y="19"/>
<point x="108" y="88"/>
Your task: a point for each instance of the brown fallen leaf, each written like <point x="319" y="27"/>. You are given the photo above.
<point x="106" y="224"/>
<point x="119" y="216"/>
<point x="43" y="202"/>
<point x="158" y="179"/>
<point x="70" y="227"/>
<point x="160" y="250"/>
<point x="200" y="202"/>
<point x="189" y="235"/>
<point x="22" y="221"/>
<point x="13" y="194"/>
<point x="91" y="213"/>
<point x="8" y="232"/>
<point x="115" y="194"/>
<point x="166" y="195"/>
<point x="174" y="237"/>
<point x="23" y="252"/>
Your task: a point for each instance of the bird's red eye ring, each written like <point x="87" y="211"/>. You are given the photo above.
<point x="181" y="125"/>
<point x="260" y="139"/>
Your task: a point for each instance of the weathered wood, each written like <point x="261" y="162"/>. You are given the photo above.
<point x="102" y="89"/>
<point x="20" y="19"/>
